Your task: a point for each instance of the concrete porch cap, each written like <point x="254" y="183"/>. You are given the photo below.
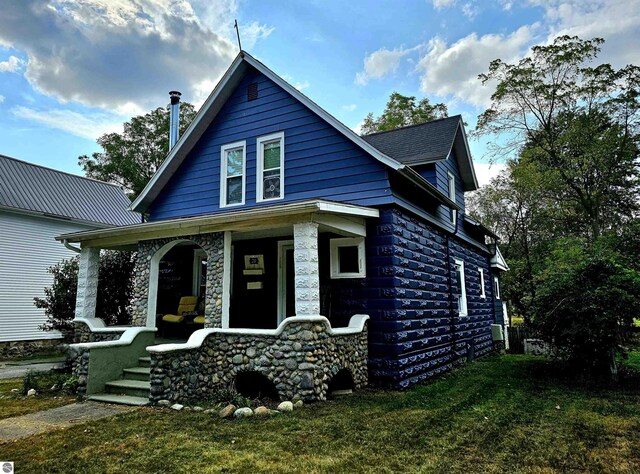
<point x="346" y="218"/>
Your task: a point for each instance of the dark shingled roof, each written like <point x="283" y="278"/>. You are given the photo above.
<point x="422" y="143"/>
<point x="33" y="188"/>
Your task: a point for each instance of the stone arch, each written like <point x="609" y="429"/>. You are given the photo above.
<point x="254" y="383"/>
<point x="154" y="268"/>
<point x="341" y="379"/>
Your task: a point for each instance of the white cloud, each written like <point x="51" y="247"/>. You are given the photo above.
<point x="470" y="10"/>
<point x="1" y="99"/>
<point x="440" y="4"/>
<point x="85" y="125"/>
<point x="485" y="172"/>
<point x="301" y="85"/>
<point x="349" y="107"/>
<point x="452" y="69"/>
<point x="124" y="55"/>
<point x="380" y="63"/>
<point x="13" y="64"/>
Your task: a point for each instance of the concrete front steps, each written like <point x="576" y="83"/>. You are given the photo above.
<point x="133" y="388"/>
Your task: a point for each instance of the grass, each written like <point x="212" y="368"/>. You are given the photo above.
<point x="15" y="404"/>
<point x="499" y="414"/>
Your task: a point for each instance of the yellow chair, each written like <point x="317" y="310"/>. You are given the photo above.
<point x="187" y="304"/>
<point x="198" y="320"/>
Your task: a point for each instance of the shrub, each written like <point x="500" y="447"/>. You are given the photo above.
<point x="115" y="289"/>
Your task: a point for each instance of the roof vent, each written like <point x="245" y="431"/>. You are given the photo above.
<point x="252" y="91"/>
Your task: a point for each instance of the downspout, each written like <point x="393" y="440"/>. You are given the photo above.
<point x="452" y="325"/>
<point x="66" y="243"/>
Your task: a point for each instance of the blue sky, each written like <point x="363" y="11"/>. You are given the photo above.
<point x="71" y="70"/>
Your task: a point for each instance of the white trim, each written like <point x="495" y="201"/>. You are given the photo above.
<point x="125" y="340"/>
<point x="335" y="244"/>
<point x="211" y="108"/>
<point x="498" y="261"/>
<point x="223" y="172"/>
<point x="283" y="246"/>
<point x="483" y="294"/>
<point x="463" y="309"/>
<point x="356" y="326"/>
<point x="198" y="255"/>
<point x="496" y="287"/>
<point x="451" y="184"/>
<point x="260" y="142"/>
<point x="226" y="279"/>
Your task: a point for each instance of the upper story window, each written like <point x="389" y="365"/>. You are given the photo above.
<point x="496" y="287"/>
<point x="452" y="195"/>
<point x="462" y="290"/>
<point x="483" y="295"/>
<point x="233" y="174"/>
<point x="270" y="167"/>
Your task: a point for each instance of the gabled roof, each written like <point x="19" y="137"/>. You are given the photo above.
<point x="429" y="142"/>
<point x="216" y="101"/>
<point x="498" y="261"/>
<point x="34" y="189"/>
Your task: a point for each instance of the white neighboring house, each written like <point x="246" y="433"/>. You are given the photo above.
<point x="38" y="204"/>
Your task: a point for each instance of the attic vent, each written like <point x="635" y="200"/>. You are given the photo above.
<point x="252" y="91"/>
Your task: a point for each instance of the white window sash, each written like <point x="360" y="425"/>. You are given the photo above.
<point x="223" y="172"/>
<point x="483" y="294"/>
<point x="334" y="246"/>
<point x="462" y="306"/>
<point x="260" y="142"/>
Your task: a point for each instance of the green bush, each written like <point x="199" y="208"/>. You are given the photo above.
<point x="115" y="289"/>
<point x="585" y="305"/>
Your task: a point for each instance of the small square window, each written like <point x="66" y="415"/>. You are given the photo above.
<point x="347" y="258"/>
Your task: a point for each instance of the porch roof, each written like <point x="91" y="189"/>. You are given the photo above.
<point x="346" y="218"/>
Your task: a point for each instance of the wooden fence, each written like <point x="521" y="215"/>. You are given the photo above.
<point x="517" y="335"/>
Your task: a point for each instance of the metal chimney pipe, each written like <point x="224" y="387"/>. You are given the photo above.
<point x="174" y="118"/>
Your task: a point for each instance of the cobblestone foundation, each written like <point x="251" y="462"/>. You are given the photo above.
<point x="14" y="349"/>
<point x="300" y="361"/>
<point x="79" y="360"/>
<point x="212" y="244"/>
<point x="83" y="333"/>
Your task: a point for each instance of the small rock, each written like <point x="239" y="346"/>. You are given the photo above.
<point x="187" y="408"/>
<point x="177" y="407"/>
<point x="54" y="387"/>
<point x="164" y="403"/>
<point x="31" y="392"/>
<point x="15" y="390"/>
<point x="227" y="411"/>
<point x="262" y="411"/>
<point x="237" y="359"/>
<point x="209" y="411"/>
<point x="285" y="406"/>
<point x="198" y="409"/>
<point x="245" y="412"/>
<point x="251" y="352"/>
<point x="298" y="404"/>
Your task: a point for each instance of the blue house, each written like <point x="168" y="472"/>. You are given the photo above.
<point x="293" y="251"/>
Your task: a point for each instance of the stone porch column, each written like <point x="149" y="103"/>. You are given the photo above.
<point x="87" y="283"/>
<point x="307" y="279"/>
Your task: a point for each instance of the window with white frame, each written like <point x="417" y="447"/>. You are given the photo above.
<point x="462" y="291"/>
<point x="452" y="195"/>
<point x="496" y="287"/>
<point x="233" y="174"/>
<point x="347" y="258"/>
<point x="270" y="167"/>
<point x="483" y="295"/>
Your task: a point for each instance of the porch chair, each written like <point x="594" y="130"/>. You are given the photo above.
<point x="187" y="304"/>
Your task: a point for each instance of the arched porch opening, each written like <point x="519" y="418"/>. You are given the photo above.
<point x="252" y="384"/>
<point x="341" y="383"/>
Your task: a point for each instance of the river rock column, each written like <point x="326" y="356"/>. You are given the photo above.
<point x="307" y="279"/>
<point x="89" y="267"/>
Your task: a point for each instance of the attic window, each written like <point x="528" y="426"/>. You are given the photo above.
<point x="252" y="91"/>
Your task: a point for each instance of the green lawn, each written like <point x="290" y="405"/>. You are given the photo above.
<point x="15" y="404"/>
<point x="501" y="414"/>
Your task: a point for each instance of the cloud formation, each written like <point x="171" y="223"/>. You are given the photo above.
<point x="123" y="55"/>
<point x="13" y="64"/>
<point x="380" y="63"/>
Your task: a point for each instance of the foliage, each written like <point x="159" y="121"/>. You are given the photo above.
<point x="130" y="158"/>
<point x="401" y="111"/>
<point x="49" y="382"/>
<point x="115" y="287"/>
<point x="30" y="381"/>
<point x="585" y="304"/>
<point x="578" y="124"/>
<point x="513" y="414"/>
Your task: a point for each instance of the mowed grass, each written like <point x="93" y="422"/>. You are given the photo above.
<point x="500" y="414"/>
<point x="15" y="404"/>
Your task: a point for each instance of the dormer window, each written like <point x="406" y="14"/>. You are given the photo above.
<point x="233" y="174"/>
<point x="270" y="167"/>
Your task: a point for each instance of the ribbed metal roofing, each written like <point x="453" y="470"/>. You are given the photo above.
<point x="423" y="143"/>
<point x="29" y="187"/>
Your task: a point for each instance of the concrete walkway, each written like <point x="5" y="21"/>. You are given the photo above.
<point x="12" y="370"/>
<point x="56" y="418"/>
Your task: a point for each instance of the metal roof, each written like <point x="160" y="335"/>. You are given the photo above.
<point x="36" y="189"/>
<point x="422" y="143"/>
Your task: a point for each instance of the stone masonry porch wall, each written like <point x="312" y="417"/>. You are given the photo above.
<point x="212" y="244"/>
<point x="300" y="362"/>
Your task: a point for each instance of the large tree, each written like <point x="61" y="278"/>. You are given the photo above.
<point x="579" y="124"/>
<point x="402" y="110"/>
<point x="130" y="159"/>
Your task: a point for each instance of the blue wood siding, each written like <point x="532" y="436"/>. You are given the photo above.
<point x="319" y="161"/>
<point x="428" y="172"/>
<point x="415" y="331"/>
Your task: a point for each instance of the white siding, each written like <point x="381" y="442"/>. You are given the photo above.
<point x="27" y="249"/>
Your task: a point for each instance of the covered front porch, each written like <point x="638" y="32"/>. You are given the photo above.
<point x="255" y="279"/>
